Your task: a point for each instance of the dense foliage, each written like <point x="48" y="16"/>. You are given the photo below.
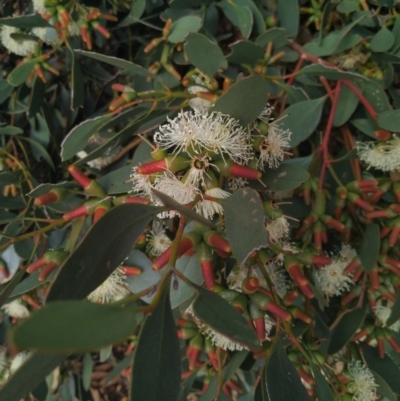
<point x="200" y="200"/>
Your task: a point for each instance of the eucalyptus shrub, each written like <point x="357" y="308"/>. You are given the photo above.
<point x="200" y="200"/>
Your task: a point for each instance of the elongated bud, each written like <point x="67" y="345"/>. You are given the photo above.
<point x="89" y="185"/>
<point x="87" y="208"/>
<point x="194" y="348"/>
<point x="214" y="239"/>
<point x="360" y="186"/>
<point x="3" y="269"/>
<point x="264" y="303"/>
<point x="209" y="349"/>
<point x="335" y="224"/>
<point x="320" y="203"/>
<point x="355" y="198"/>
<point x="299" y="314"/>
<point x="395" y="232"/>
<point x="307" y="258"/>
<point x="101" y="29"/>
<point x="298" y="277"/>
<point x="100" y="210"/>
<point x="229" y="168"/>
<point x="130" y="199"/>
<point x="125" y="98"/>
<point x="258" y="318"/>
<point x="189" y="241"/>
<point x="186" y="333"/>
<point x="53" y="196"/>
<point x="205" y="258"/>
<point x="131" y="271"/>
<point x="171" y="163"/>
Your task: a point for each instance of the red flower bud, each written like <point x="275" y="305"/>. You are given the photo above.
<point x="204" y="256"/>
<point x="229" y="168"/>
<point x="214" y="239"/>
<point x="171" y="163"/>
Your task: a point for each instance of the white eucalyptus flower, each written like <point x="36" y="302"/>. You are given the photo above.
<point x="19" y="47"/>
<point x="39" y="6"/>
<point x="18" y="360"/>
<point x="208" y="208"/>
<point x="331" y="278"/>
<point x="383" y="312"/>
<point x="112" y="289"/>
<point x="158" y="241"/>
<point x="221" y="341"/>
<point x="278" y="229"/>
<point x="269" y="324"/>
<point x="214" y="132"/>
<point x="16" y="309"/>
<point x="279" y="278"/>
<point x="273" y="145"/>
<point x="362" y="384"/>
<point x="172" y="186"/>
<point x="236" y="183"/>
<point x="347" y="253"/>
<point x="198" y="104"/>
<point x="141" y="184"/>
<point x="377" y="156"/>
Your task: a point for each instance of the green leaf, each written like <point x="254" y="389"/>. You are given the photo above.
<point x="77" y="138"/>
<point x="227" y="372"/>
<point x="5" y="90"/>
<point x="10" y="130"/>
<point x="190" y="268"/>
<point x="244" y="223"/>
<point x="375" y="95"/>
<point x="276" y="36"/>
<point x="330" y="73"/>
<point x="29" y="375"/>
<point x="259" y="22"/>
<point x="346" y="329"/>
<point x="19" y="74"/>
<point x="223" y="318"/>
<point x="240" y="16"/>
<point x="112" y="237"/>
<point x="347" y="6"/>
<point x="389" y="120"/>
<point x="281" y="377"/>
<point x="119" y="63"/>
<point x="383" y="388"/>
<point x="73" y="326"/>
<point x="385" y="367"/>
<point x="37" y="97"/>
<point x="41" y="151"/>
<point x="77" y="84"/>
<point x="323" y="391"/>
<point x="116" y="181"/>
<point x="87" y="370"/>
<point x="369" y="251"/>
<point x="382" y="41"/>
<point x="245" y="52"/>
<point x="183" y="26"/>
<point x="336" y="41"/>
<point x="284" y="178"/>
<point x="245" y="100"/>
<point x="26" y="21"/>
<point x="289" y="16"/>
<point x="136" y="12"/>
<point x="204" y="54"/>
<point x="346" y="106"/>
<point x="156" y="370"/>
<point x="302" y="119"/>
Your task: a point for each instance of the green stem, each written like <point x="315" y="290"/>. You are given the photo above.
<point x="74" y="235"/>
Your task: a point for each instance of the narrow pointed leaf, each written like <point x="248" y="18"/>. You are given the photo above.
<point x="244" y="223"/>
<point x="74" y="326"/>
<point x="346" y="329"/>
<point x="369" y="250"/>
<point x="282" y="378"/>
<point x="222" y="317"/>
<point x="156" y="371"/>
<point x="104" y="248"/>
